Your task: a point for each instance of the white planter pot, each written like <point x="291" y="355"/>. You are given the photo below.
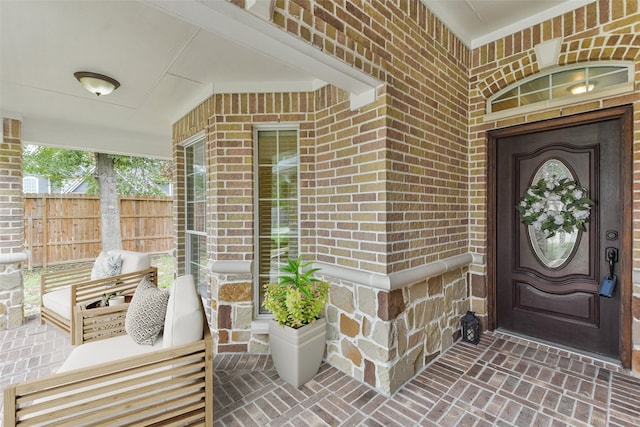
<point x="297" y="353"/>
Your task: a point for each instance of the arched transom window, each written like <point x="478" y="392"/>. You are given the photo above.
<point x="563" y="86"/>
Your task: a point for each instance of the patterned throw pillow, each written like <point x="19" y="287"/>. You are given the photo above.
<point x="106" y="266"/>
<point x="145" y="316"/>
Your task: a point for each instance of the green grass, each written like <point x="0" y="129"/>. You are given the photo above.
<point x="31" y="280"/>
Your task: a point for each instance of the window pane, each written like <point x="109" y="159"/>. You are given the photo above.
<point x="572" y="76"/>
<point x="603" y="81"/>
<point x="534" y="97"/>
<point x="534" y="85"/>
<point x="504" y="105"/>
<point x="509" y="94"/>
<point x="596" y="71"/>
<point x="197" y="260"/>
<point x="196" y="213"/>
<point x="277" y="210"/>
<point x="196" y="191"/>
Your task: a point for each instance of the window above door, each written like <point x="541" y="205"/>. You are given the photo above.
<point x="562" y="86"/>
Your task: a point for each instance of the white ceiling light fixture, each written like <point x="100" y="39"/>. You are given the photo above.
<point x="98" y="84"/>
<point x="582" y="88"/>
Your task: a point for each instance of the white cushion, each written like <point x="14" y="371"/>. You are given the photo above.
<point x="132" y="261"/>
<point x="184" y="321"/>
<point x="146" y="314"/>
<point x="107" y="350"/>
<point x="106" y="265"/>
<point x="59" y="301"/>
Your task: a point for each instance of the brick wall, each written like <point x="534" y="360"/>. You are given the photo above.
<point x="397" y="184"/>
<point x="416" y="185"/>
<point x="12" y="253"/>
<point x="601" y="31"/>
<point x="383" y="188"/>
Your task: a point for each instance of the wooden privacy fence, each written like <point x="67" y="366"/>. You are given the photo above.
<point x="63" y="228"/>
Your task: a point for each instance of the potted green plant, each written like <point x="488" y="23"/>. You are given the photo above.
<point x="297" y="333"/>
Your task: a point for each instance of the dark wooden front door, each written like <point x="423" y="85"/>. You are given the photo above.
<point x="548" y="287"/>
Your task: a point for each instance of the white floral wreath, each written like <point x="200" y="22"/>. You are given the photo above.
<point x="553" y="205"/>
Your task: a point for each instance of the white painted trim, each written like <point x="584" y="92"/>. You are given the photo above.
<point x="6" y="114"/>
<point x="233" y="23"/>
<point x="548" y="53"/>
<point x="14" y="258"/>
<point x="260" y="8"/>
<point x="230" y="267"/>
<point x="478" y="259"/>
<point x="399" y="280"/>
<point x="260" y="327"/>
<point x="360" y="100"/>
<point x="193" y="139"/>
<point x="529" y="22"/>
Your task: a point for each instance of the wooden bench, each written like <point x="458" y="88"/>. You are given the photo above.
<point x="162" y="386"/>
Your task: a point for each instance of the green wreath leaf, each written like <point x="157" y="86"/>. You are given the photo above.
<point x="555" y="205"/>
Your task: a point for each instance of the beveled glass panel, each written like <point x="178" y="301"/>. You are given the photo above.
<point x="553" y="252"/>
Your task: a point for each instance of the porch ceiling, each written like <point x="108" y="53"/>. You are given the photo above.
<point x="168" y="56"/>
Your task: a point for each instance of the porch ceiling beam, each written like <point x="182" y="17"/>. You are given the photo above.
<point x="237" y="25"/>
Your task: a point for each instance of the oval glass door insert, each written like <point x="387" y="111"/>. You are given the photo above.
<point x="553" y="252"/>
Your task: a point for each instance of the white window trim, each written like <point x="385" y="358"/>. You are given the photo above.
<point x="189" y="142"/>
<point x="256" y="266"/>
<point x="192" y="139"/>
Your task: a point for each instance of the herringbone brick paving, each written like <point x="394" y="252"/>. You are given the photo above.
<point x="503" y="381"/>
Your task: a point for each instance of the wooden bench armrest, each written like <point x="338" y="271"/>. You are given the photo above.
<point x="122" y="284"/>
<point x="59" y="279"/>
<point x="172" y="386"/>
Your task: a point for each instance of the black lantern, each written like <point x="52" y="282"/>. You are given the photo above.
<point x="470" y="328"/>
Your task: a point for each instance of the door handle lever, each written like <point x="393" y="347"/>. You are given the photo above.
<point x="608" y="284"/>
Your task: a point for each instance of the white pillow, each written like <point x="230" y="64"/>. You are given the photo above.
<point x="106" y="266"/>
<point x="146" y="313"/>
<point x="184" y="322"/>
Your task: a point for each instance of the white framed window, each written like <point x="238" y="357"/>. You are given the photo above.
<point x="29" y="184"/>
<point x="196" y="211"/>
<point x="277" y="202"/>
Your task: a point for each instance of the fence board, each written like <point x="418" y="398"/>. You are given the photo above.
<point x="66" y="228"/>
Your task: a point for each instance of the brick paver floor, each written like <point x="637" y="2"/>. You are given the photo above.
<point x="503" y="381"/>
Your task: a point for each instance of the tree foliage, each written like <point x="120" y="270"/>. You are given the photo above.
<point x="134" y="175"/>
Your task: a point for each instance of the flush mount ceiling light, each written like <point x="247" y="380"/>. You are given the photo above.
<point x="582" y="88"/>
<point x="97" y="84"/>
